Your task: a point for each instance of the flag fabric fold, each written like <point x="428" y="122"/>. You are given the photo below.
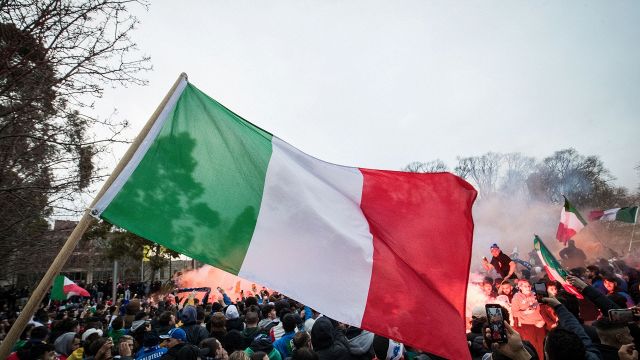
<point x="386" y="251"/>
<point x="553" y="268"/>
<point x="63" y="288"/>
<point x="624" y="214"/>
<point x="571" y="222"/>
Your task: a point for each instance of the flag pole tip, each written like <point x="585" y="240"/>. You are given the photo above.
<point x="184" y="75"/>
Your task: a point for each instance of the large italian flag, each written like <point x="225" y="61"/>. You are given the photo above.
<point x="571" y="222"/>
<point x="386" y="251"/>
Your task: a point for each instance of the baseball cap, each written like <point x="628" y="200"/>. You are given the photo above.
<point x="494" y="246"/>
<point x="176" y="333"/>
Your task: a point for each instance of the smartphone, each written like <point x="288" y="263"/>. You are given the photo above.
<point x="621" y="316"/>
<point x="540" y="289"/>
<point x="496" y="323"/>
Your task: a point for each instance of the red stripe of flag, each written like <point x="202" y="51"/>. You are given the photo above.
<point x="422" y="235"/>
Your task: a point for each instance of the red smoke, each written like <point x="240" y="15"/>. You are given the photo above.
<point x="208" y="276"/>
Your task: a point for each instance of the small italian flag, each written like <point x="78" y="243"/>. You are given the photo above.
<point x="63" y="288"/>
<point x="571" y="222"/>
<point x="624" y="214"/>
<point x="553" y="268"/>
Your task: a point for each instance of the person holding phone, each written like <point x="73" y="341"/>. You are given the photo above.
<point x="502" y="263"/>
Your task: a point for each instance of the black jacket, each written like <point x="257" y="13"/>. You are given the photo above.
<point x="329" y="343"/>
<point x="182" y="351"/>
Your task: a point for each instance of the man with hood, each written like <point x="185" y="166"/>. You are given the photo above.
<point x="328" y="342"/>
<point x="195" y="332"/>
<point x="360" y="343"/>
<point x="66" y="344"/>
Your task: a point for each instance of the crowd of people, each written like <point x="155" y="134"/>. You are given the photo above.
<point x="260" y="325"/>
<point x="594" y="317"/>
<point x="598" y="323"/>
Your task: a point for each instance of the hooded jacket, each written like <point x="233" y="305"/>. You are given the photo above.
<point x="327" y="342"/>
<point x="64" y="343"/>
<point x="195" y="332"/>
<point x="360" y="342"/>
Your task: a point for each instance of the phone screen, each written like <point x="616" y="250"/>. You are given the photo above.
<point x="541" y="290"/>
<point x="621" y="315"/>
<point x="496" y="323"/>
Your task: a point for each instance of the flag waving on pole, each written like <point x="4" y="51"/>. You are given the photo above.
<point x="624" y="214"/>
<point x="553" y="268"/>
<point x="571" y="222"/>
<point x="63" y="288"/>
<point x="386" y="251"/>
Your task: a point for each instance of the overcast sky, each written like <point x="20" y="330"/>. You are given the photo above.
<point x="379" y="84"/>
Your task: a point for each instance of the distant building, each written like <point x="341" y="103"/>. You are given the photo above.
<point x="88" y="262"/>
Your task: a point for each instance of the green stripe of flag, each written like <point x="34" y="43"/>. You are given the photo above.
<point x="570" y="208"/>
<point x="548" y="258"/>
<point x="201" y="143"/>
<point x="627" y="214"/>
<point x="57" y="290"/>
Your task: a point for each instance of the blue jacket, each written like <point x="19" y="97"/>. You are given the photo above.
<point x="283" y="345"/>
<point x="151" y="353"/>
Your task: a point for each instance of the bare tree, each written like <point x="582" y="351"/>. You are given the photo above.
<point x="436" y="165"/>
<point x="483" y="170"/>
<point x="517" y="169"/>
<point x="583" y="179"/>
<point x="56" y="58"/>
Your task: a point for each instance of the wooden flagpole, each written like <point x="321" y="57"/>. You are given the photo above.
<point x="38" y="294"/>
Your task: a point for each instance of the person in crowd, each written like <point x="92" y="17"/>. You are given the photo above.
<point x="595" y="279"/>
<point x="526" y="314"/>
<point x="328" y="342"/>
<point x="166" y="321"/>
<point x="251" y="328"/>
<point x="239" y="355"/>
<point x="304" y="354"/>
<point x="234" y="322"/>
<point x="283" y="345"/>
<point x="282" y="307"/>
<point x="128" y="342"/>
<point x="500" y="262"/>
<point x="269" y="318"/>
<point x="611" y="284"/>
<point x="506" y="288"/>
<point x="116" y="330"/>
<point x="387" y="349"/>
<point x="612" y="337"/>
<point x="66" y="344"/>
<point x="569" y="340"/>
<point x="547" y="313"/>
<point x="488" y="290"/>
<point x="178" y="346"/>
<point x="360" y="343"/>
<point x="262" y="343"/>
<point x="572" y="256"/>
<point x="218" y="325"/>
<point x="195" y="332"/>
<point x="211" y="349"/>
<point x="150" y="347"/>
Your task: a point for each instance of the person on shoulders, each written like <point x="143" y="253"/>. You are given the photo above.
<point x="502" y="263"/>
